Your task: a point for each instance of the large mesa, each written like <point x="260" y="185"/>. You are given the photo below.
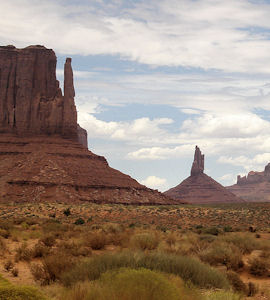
<point x="43" y="151"/>
<point x="199" y="188"/>
<point x="254" y="187"/>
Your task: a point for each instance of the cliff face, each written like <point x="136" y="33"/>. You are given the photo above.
<point x="199" y="188"/>
<point x="43" y="151"/>
<point x="31" y="101"/>
<point x="253" y="187"/>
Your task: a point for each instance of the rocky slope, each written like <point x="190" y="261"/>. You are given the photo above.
<point x="253" y="187"/>
<point x="199" y="188"/>
<point x="43" y="151"/>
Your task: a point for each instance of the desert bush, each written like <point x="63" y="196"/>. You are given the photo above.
<point x="237" y="283"/>
<point x="10" y="292"/>
<point x="40" y="250"/>
<point x="4" y="233"/>
<point x="15" y="272"/>
<point x="52" y="267"/>
<point x="8" y="265"/>
<point x="244" y="242"/>
<point x="74" y="249"/>
<point x="171" y="239"/>
<point x="140" y="284"/>
<point x="222" y="253"/>
<point x="145" y="241"/>
<point x="48" y="240"/>
<point x="211" y="230"/>
<point x="96" y="240"/>
<point x="188" y="269"/>
<point x="23" y="253"/>
<point x="259" y="267"/>
<point x="79" y="221"/>
<point x="67" y="212"/>
<point x="252" y="289"/>
<point x="3" y="247"/>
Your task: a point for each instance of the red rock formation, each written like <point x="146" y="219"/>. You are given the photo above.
<point x="43" y="151"/>
<point x="198" y="163"/>
<point x="199" y="188"/>
<point x="253" y="187"/>
<point x="31" y="101"/>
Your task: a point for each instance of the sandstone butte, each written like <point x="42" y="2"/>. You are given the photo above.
<point x="199" y="188"/>
<point x="43" y="151"/>
<point x="254" y="187"/>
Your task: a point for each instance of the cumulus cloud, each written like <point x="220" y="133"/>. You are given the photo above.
<point x="256" y="163"/>
<point x="155" y="182"/>
<point x="202" y="34"/>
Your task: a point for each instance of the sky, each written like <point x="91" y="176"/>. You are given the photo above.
<point x="154" y="78"/>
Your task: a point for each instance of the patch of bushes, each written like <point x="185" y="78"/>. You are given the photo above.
<point x="187" y="268"/>
<point x="52" y="267"/>
<point x="140" y="284"/>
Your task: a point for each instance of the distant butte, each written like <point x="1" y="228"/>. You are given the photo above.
<point x="43" y="151"/>
<point x="254" y="187"/>
<point x="199" y="188"/>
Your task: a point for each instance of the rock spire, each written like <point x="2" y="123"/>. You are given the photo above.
<point x="200" y="188"/>
<point x="198" y="163"/>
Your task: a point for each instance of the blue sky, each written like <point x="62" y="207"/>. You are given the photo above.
<point x="154" y="78"/>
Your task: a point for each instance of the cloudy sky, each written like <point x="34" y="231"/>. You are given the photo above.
<point x="154" y="78"/>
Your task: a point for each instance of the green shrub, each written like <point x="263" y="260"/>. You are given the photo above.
<point x="10" y="292"/>
<point x="145" y="241"/>
<point x="188" y="269"/>
<point x="67" y="212"/>
<point x="140" y="284"/>
<point x="79" y="221"/>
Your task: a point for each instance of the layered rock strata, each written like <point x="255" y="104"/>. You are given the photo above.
<point x="43" y="151"/>
<point x="253" y="187"/>
<point x="199" y="188"/>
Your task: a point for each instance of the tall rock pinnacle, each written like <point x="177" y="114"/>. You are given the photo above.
<point x="69" y="111"/>
<point x="31" y="101"/>
<point x="200" y="188"/>
<point x="198" y="163"/>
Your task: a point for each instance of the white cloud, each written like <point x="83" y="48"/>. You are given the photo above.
<point x="204" y="34"/>
<point x="155" y="182"/>
<point x="139" y="131"/>
<point x="255" y="163"/>
<point x="160" y="153"/>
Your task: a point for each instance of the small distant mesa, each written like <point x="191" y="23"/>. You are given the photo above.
<point x="43" y="150"/>
<point x="254" y="187"/>
<point x="199" y="188"/>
